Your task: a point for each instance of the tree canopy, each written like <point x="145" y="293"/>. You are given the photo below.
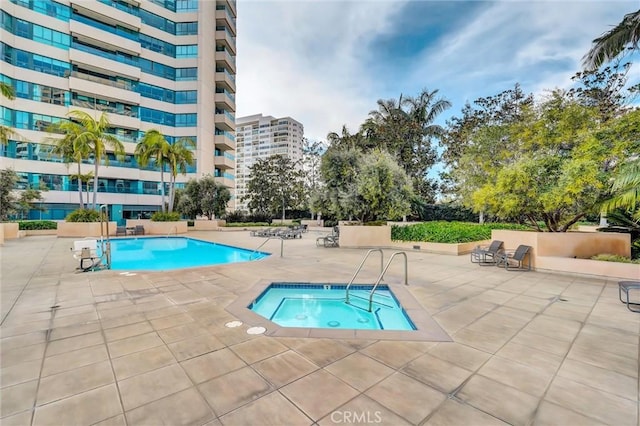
<point x="203" y="197"/>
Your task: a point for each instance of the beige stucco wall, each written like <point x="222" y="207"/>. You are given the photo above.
<point x="627" y="271"/>
<point x="10" y="230"/>
<point x="159" y="228"/>
<point x="365" y="236"/>
<point x="440" y="248"/>
<point x="83" y="229"/>
<point x="208" y="225"/>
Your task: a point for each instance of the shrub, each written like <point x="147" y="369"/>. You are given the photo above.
<point x="330" y="223"/>
<point x="449" y="232"/>
<point x="33" y="225"/>
<point x="236" y="216"/>
<point x="259" y="217"/>
<point x="83" y="215"/>
<point x="446" y="212"/>
<point x="614" y="258"/>
<point x="376" y="223"/>
<point x="165" y="217"/>
<point x="241" y="224"/>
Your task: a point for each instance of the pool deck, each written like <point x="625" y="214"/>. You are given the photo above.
<point x="152" y="348"/>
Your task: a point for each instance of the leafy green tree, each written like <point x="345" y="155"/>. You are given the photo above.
<point x="180" y="156"/>
<point x="339" y="196"/>
<point x="154" y="146"/>
<point x="624" y="36"/>
<point x="311" y="158"/>
<point x="27" y="199"/>
<point x="96" y="136"/>
<point x="384" y="187"/>
<point x="73" y="146"/>
<point x="551" y="166"/>
<point x="276" y="183"/>
<point x="8" y="180"/>
<point x="204" y="197"/>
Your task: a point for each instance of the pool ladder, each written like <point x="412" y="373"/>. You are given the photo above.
<point x="383" y="270"/>
<point x="265" y="242"/>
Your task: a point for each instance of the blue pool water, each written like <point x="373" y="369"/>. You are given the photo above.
<point x="166" y="253"/>
<point x="323" y="306"/>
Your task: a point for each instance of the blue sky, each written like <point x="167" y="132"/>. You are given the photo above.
<point x="326" y="63"/>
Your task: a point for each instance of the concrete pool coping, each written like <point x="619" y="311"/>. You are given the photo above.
<point x="427" y="330"/>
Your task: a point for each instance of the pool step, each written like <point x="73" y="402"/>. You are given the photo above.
<point x="361" y="300"/>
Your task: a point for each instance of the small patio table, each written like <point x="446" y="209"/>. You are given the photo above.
<point x="624" y="287"/>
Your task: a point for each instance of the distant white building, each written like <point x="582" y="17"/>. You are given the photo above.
<point x="259" y="137"/>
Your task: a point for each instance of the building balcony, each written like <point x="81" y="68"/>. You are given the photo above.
<point x="101" y="11"/>
<point x="227" y="79"/>
<point x="227" y="59"/>
<point x="225" y="16"/>
<point x="224" y="100"/>
<point x="103" y="38"/>
<point x="224" y="142"/>
<point x="225" y="121"/>
<point x="227" y="38"/>
<point x="108" y="89"/>
<point x="106" y="63"/>
<point x="224" y="162"/>
<point x="223" y="180"/>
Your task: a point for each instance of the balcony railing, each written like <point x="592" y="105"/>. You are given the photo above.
<point x="119" y="84"/>
<point x="108" y="55"/>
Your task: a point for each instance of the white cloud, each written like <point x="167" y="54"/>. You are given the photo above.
<point x="304" y="60"/>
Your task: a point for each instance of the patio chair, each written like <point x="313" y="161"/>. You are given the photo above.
<point x="624" y="287"/>
<point x="121" y="230"/>
<point x="487" y="255"/>
<point x="86" y="251"/>
<point x="332" y="240"/>
<point x="514" y="260"/>
<point x="139" y="230"/>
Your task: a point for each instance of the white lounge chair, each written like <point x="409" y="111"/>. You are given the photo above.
<point x="86" y="250"/>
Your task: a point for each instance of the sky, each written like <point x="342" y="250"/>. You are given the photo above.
<point x="325" y="63"/>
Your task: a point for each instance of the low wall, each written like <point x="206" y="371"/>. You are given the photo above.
<point x="10" y="230"/>
<point x="32" y="232"/>
<point x="627" y="271"/>
<point x="159" y="228"/>
<point x="310" y="222"/>
<point x="440" y="248"/>
<point x="83" y="229"/>
<point x="365" y="236"/>
<point x="208" y="225"/>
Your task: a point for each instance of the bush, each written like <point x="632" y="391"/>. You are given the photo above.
<point x="330" y="223"/>
<point x="259" y="217"/>
<point x="34" y="225"/>
<point x="614" y="258"/>
<point x="236" y="216"/>
<point x="449" y="232"/>
<point x="165" y="217"/>
<point x="241" y="224"/>
<point x="83" y="215"/>
<point x="376" y="223"/>
<point x="446" y="212"/>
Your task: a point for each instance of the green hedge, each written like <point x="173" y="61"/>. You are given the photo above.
<point x="165" y="217"/>
<point x="449" y="232"/>
<point x="34" y="225"/>
<point x="241" y="224"/>
<point x="615" y="258"/>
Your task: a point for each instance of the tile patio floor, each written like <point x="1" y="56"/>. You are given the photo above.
<point x="152" y="348"/>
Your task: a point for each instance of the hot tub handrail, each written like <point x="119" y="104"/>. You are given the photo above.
<point x="360" y="268"/>
<point x="406" y="275"/>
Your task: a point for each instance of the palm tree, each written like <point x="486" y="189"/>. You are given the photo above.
<point x="72" y="147"/>
<point x="153" y="145"/>
<point x="626" y="190"/>
<point x="180" y="156"/>
<point x="96" y="136"/>
<point x="5" y="131"/>
<point x="625" y="35"/>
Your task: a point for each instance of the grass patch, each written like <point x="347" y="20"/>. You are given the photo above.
<point x="449" y="232"/>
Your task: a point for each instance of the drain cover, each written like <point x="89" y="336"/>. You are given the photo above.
<point x="333" y="323"/>
<point x="256" y="330"/>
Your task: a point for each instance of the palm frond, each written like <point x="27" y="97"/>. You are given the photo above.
<point x="614" y="42"/>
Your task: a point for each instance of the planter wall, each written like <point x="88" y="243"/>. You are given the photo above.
<point x="33" y="232"/>
<point x="83" y="229"/>
<point x="627" y="271"/>
<point x="159" y="228"/>
<point x="208" y="225"/>
<point x="10" y="230"/>
<point x="566" y="245"/>
<point x="365" y="236"/>
<point x="311" y="223"/>
<point x="440" y="248"/>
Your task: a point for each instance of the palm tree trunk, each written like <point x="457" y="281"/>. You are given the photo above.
<point x="80" y="187"/>
<point x="162" y="186"/>
<point x="95" y="184"/>
<point x="172" y="181"/>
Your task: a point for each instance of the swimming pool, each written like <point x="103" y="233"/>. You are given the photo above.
<point x="167" y="253"/>
<point x="323" y="306"/>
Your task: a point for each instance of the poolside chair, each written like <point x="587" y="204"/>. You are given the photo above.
<point x="139" y="230"/>
<point x="624" y="287"/>
<point x="86" y="251"/>
<point x="487" y="255"/>
<point x="121" y="230"/>
<point x="514" y="260"/>
<point x="332" y="240"/>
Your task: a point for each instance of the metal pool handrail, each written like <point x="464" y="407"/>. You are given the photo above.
<point x="406" y="275"/>
<point x="265" y="242"/>
<point x="360" y="267"/>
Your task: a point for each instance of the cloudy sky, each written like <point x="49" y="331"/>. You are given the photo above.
<point x="325" y="63"/>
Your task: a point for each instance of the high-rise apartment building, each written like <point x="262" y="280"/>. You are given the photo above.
<point x="154" y="64"/>
<point x="258" y="137"/>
